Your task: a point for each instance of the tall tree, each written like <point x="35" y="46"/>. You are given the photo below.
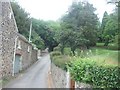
<point x="81" y="19"/>
<point x="111" y="28"/>
<point x="102" y="28"/>
<point x="23" y="23"/>
<point x="46" y="33"/>
<point x="22" y="19"/>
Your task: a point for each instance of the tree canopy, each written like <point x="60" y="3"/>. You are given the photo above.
<point x="81" y="24"/>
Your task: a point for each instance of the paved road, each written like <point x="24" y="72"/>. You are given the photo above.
<point x="35" y="77"/>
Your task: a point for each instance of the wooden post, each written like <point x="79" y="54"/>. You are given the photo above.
<point x="72" y="84"/>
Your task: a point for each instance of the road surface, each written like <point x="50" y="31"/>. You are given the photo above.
<point x="35" y="77"/>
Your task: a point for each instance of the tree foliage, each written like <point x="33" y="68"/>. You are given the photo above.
<point x="23" y="23"/>
<point x="46" y="33"/>
<point x="79" y="26"/>
<point x="109" y="27"/>
<point x="22" y="19"/>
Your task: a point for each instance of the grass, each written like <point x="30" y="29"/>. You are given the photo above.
<point x="102" y="54"/>
<point x="5" y="81"/>
<point x="111" y="46"/>
<point x="111" y="56"/>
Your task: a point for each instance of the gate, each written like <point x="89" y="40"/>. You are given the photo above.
<point x="17" y="64"/>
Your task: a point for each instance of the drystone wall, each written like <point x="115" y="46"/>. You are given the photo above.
<point x="83" y="86"/>
<point x="0" y="41"/>
<point x="60" y="77"/>
<point x="34" y="55"/>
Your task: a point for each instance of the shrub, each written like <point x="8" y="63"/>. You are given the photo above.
<point x="96" y="74"/>
<point x="55" y="53"/>
<point x="56" y="48"/>
<point x="60" y="60"/>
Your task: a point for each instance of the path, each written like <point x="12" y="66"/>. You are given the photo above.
<point x="35" y="77"/>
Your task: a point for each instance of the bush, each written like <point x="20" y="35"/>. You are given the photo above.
<point x="56" y="48"/>
<point x="60" y="60"/>
<point x="96" y="74"/>
<point x="55" y="53"/>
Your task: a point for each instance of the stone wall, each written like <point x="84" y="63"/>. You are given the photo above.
<point x="8" y="30"/>
<point x="9" y="40"/>
<point x="0" y="42"/>
<point x="83" y="86"/>
<point x="22" y="50"/>
<point x="34" y="55"/>
<point x="60" y="77"/>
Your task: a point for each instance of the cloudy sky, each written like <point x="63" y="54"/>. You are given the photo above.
<point x="54" y="9"/>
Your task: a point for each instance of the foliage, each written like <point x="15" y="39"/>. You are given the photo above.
<point x="55" y="26"/>
<point x="60" y="61"/>
<point x="79" y="26"/>
<point x="37" y="40"/>
<point x="23" y="23"/>
<point x="94" y="68"/>
<point x="109" y="27"/>
<point x="117" y="41"/>
<point x="57" y="48"/>
<point x="22" y="19"/>
<point x="55" y="53"/>
<point x="97" y="74"/>
<point x="102" y="27"/>
<point x="73" y="40"/>
<point x="46" y="33"/>
<point x="111" y="46"/>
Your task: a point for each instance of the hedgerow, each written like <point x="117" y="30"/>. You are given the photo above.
<point x="96" y="74"/>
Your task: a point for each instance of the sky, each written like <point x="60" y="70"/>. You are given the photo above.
<point x="54" y="9"/>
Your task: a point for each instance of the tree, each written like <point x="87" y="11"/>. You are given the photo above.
<point x="56" y="28"/>
<point x="81" y="23"/>
<point x="22" y="19"/>
<point x="45" y="32"/>
<point x="37" y="40"/>
<point x="102" y="28"/>
<point x="109" y="27"/>
<point x="23" y="23"/>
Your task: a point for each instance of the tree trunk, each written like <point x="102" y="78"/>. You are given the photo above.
<point x="73" y="50"/>
<point x="62" y="49"/>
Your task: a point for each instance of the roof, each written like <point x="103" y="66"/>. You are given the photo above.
<point x="23" y="38"/>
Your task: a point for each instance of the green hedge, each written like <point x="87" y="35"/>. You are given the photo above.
<point x="98" y="75"/>
<point x="56" y="48"/>
<point x="60" y="60"/>
<point x="55" y="53"/>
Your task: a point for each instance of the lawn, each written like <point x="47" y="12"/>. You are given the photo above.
<point x="111" y="46"/>
<point x="97" y="53"/>
<point x="109" y="56"/>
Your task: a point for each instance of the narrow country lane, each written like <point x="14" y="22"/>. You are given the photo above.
<point x="35" y="77"/>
